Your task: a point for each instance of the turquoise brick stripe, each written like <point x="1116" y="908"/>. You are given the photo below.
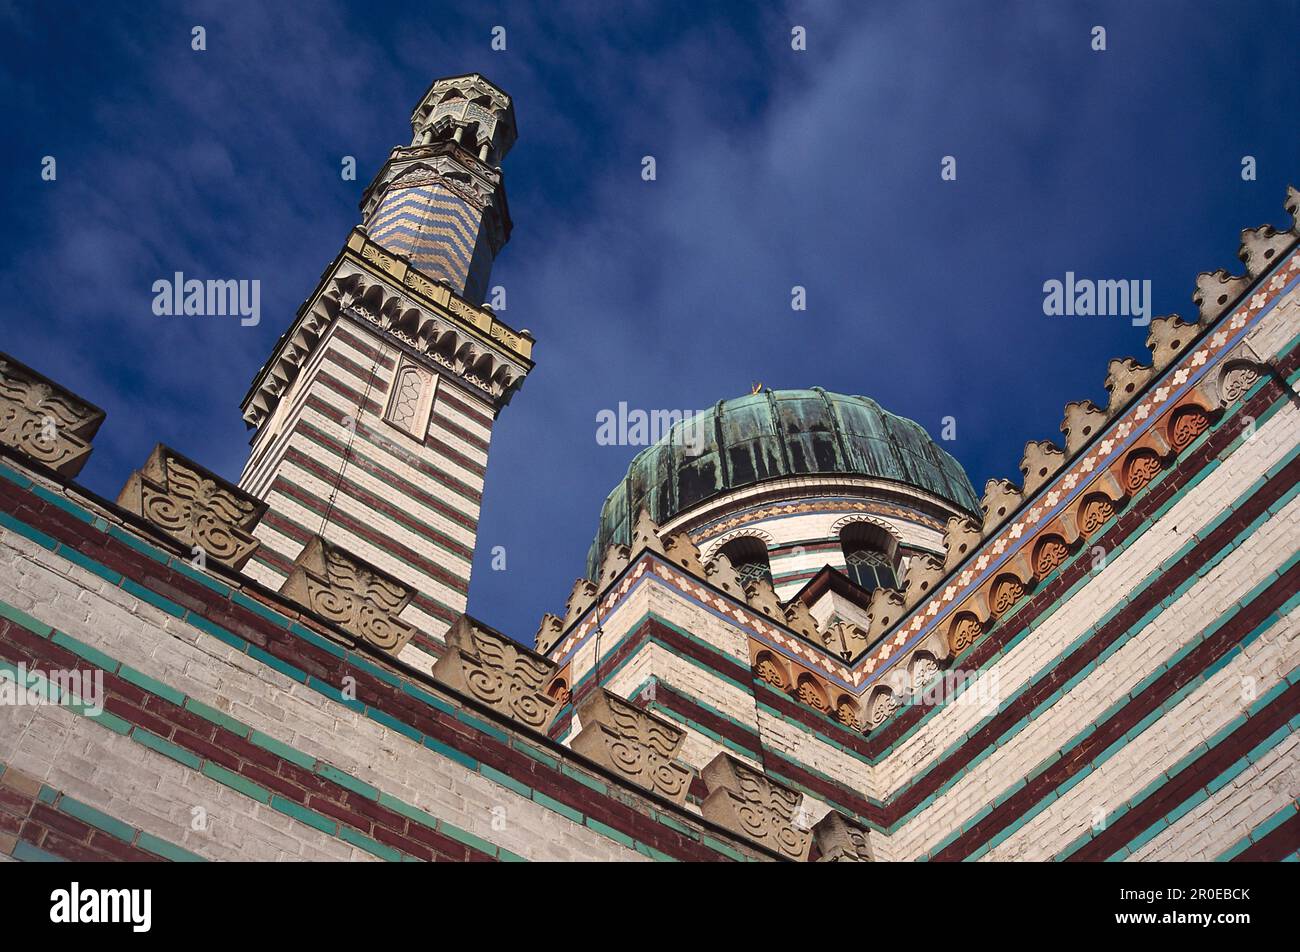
<point x="96" y="818"/>
<point x="1047" y="669"/>
<point x="292" y="629"/>
<point x="1172" y="702"/>
<point x="237" y="782"/>
<point x="1209" y="790"/>
<point x="102" y="821"/>
<point x="922" y="723"/>
<point x="25" y="620"/>
<point x="1259" y="832"/>
<point x="304" y="815"/>
<point x="24" y="852"/>
<point x="253" y="791"/>
<point x="220" y="718"/>
<point x="160" y="847"/>
<point x="374" y="847"/>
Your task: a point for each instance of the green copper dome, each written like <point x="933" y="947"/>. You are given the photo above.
<point x="769" y="435"/>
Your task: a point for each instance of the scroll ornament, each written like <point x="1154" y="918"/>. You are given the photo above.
<point x="194" y="506"/>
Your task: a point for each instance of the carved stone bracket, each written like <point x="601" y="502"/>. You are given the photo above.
<point x="40" y="419"/>
<point x="745" y="801"/>
<point x="194" y="506"/>
<point x="499" y="672"/>
<point x="353" y="594"/>
<point x="634" y="744"/>
<point x="839" y="840"/>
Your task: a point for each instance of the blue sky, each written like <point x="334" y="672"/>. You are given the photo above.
<point x="775" y="168"/>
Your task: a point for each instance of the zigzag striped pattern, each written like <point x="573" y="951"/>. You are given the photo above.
<point x="437" y="231"/>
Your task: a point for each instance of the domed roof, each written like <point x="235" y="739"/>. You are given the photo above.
<point x="769" y="435"/>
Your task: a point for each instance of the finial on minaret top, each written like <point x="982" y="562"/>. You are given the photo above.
<point x="469" y="111"/>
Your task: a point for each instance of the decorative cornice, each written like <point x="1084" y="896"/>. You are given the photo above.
<point x="425" y="316"/>
<point x="705" y="532"/>
<point x="353" y="594"/>
<point x="43" y="420"/>
<point x="194" y="506"/>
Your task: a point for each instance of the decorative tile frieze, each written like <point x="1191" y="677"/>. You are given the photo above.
<point x="708" y="535"/>
<point x="43" y="420"/>
<point x="633" y="743"/>
<point x="194" y="506"/>
<point x="499" y="672"/>
<point x="745" y="801"/>
<point x="353" y="594"/>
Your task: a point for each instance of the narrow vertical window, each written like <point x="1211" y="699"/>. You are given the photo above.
<point x="748" y="557"/>
<point x="866" y="557"/>
<point x="410" y="399"/>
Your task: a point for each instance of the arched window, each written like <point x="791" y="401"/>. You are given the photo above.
<point x="748" y="557"/>
<point x="868" y="558"/>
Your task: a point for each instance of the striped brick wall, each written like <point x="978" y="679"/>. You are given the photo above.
<point x="224" y="731"/>
<point x="408" y="506"/>
<point x="1146" y="702"/>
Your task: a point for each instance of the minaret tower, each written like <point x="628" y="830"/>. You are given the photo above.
<point x="374" y="413"/>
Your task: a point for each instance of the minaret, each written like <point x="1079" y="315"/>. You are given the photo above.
<point x="440" y="203"/>
<point x="375" y="410"/>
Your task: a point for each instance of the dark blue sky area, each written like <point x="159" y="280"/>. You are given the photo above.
<point x="775" y="168"/>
